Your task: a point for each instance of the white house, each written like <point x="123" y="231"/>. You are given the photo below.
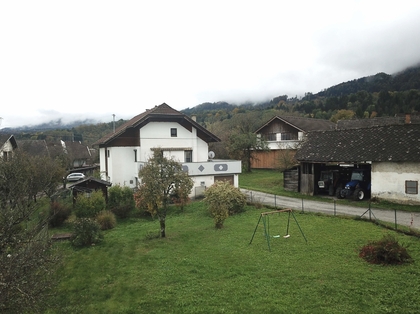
<point x="123" y="152"/>
<point x="7" y="145"/>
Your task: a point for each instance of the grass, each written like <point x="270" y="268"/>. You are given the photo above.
<point x="271" y="181"/>
<point x="199" y="269"/>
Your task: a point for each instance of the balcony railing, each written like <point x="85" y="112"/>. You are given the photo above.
<point x="210" y="167"/>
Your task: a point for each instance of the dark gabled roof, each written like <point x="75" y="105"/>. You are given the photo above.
<point x="302" y="124"/>
<point x="77" y="150"/>
<point x="158" y="113"/>
<point x="33" y="147"/>
<point x="55" y="149"/>
<point x="88" y="180"/>
<point x="394" y="143"/>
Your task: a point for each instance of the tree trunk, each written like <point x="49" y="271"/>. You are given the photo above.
<point x="162" y="218"/>
<point x="162" y="228"/>
<point x="248" y="159"/>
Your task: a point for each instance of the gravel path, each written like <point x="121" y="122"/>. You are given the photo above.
<point x="408" y="219"/>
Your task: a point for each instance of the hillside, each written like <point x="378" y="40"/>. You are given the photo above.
<point x="372" y="96"/>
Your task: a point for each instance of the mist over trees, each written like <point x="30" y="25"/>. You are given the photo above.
<point x="380" y="95"/>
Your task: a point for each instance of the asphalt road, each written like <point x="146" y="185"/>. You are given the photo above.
<point x="407" y="219"/>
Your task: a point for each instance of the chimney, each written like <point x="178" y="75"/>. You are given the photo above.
<point x="194" y="117"/>
<point x="407" y="118"/>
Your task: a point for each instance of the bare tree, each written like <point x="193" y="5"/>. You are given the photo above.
<point x="26" y="261"/>
<point x="286" y="156"/>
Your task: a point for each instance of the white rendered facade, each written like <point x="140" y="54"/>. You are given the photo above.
<point x="121" y="161"/>
<point x="390" y="179"/>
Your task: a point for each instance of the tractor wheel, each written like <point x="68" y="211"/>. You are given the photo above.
<point x="338" y="193"/>
<point x="358" y="194"/>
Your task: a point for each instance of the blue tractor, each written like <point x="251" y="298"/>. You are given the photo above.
<point x="358" y="187"/>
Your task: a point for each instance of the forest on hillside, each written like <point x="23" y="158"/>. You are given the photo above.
<point x="380" y="95"/>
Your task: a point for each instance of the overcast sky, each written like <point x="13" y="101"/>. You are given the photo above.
<point x="91" y="59"/>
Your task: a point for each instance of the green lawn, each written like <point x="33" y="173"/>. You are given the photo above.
<point x="198" y="269"/>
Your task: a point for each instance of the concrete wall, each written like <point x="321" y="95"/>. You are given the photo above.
<point x="389" y="178"/>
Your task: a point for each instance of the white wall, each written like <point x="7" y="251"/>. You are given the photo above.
<point x="121" y="166"/>
<point x="388" y="181"/>
<point x="158" y="134"/>
<point x="7" y="147"/>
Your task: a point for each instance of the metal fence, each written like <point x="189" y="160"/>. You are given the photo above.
<point x="391" y="218"/>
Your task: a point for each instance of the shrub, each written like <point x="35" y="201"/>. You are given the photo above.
<point x="122" y="211"/>
<point x="120" y="200"/>
<point x="86" y="231"/>
<point x="224" y="200"/>
<point x="59" y="212"/>
<point x="106" y="220"/>
<point x="89" y="205"/>
<point x="386" y="251"/>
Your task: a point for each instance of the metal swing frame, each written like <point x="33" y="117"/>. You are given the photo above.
<point x="265" y="218"/>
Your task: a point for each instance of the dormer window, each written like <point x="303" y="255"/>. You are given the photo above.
<point x="174" y="132"/>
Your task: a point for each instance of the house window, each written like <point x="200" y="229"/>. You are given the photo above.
<point x="188" y="155"/>
<point x="135" y="155"/>
<point x="173" y="132"/>
<point x="286" y="136"/>
<point x="108" y="153"/>
<point x="411" y="187"/>
<point x="271" y="137"/>
<point x="5" y="156"/>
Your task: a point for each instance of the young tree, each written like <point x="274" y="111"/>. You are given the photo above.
<point x="26" y="261"/>
<point x="160" y="178"/>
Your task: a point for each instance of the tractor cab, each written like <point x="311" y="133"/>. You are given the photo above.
<point x="358" y="186"/>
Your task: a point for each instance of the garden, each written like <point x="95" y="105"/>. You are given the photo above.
<point x="198" y="268"/>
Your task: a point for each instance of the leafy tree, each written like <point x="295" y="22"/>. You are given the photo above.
<point x="160" y="178"/>
<point x="48" y="173"/>
<point x="343" y="114"/>
<point x="224" y="200"/>
<point x="26" y="260"/>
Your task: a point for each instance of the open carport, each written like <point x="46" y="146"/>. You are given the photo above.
<point x="391" y="152"/>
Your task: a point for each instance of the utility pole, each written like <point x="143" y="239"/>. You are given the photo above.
<point x="113" y="122"/>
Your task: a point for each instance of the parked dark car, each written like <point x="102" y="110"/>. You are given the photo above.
<point x="75" y="176"/>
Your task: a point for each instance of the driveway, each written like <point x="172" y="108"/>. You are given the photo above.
<point x="408" y="219"/>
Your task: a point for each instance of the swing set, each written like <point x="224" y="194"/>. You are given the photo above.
<point x="265" y="218"/>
